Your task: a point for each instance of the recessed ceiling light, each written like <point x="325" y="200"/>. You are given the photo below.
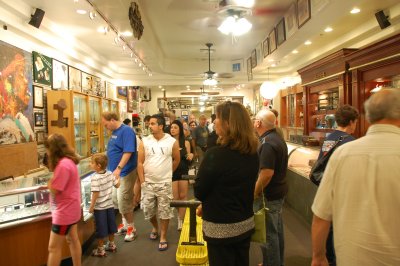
<point x="271" y="60"/>
<point x="160" y="87"/>
<point x="81" y="11"/>
<point x="163" y="89"/>
<point x="127" y="34"/>
<point x="328" y="29"/>
<point x="355" y="10"/>
<point x="273" y="65"/>
<point x="295" y="52"/>
<point x="307" y="42"/>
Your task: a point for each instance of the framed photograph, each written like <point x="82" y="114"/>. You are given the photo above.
<point x="40" y="137"/>
<point x="272" y="41"/>
<point x="60" y="75"/>
<point x="253" y="58"/>
<point x="184" y="113"/>
<point x="121" y="92"/>
<point x="238" y="65"/>
<point x="75" y="79"/>
<point x="145" y="94"/>
<point x="265" y="47"/>
<point x="87" y="82"/>
<point x="280" y="32"/>
<point x="291" y="21"/>
<point x="110" y="90"/>
<point x="39" y="119"/>
<point x="131" y="98"/>
<point x="42" y="69"/>
<point x="303" y="12"/>
<point x="37" y="97"/>
<point x="249" y="69"/>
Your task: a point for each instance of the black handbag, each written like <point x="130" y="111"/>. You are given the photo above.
<point x="318" y="169"/>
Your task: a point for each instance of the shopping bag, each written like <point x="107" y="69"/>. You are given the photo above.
<point x="260" y="225"/>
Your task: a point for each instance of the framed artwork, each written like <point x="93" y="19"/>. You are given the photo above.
<point x="249" y="70"/>
<point x="253" y="58"/>
<point x="145" y="94"/>
<point x="131" y="99"/>
<point x="39" y="119"/>
<point x="121" y="92"/>
<point x="280" y="32"/>
<point x="60" y="75"/>
<point x="291" y="21"/>
<point x="38" y="97"/>
<point x="303" y="12"/>
<point x="42" y="69"/>
<point x="86" y="82"/>
<point x="40" y="137"/>
<point x="110" y="90"/>
<point x="75" y="79"/>
<point x="272" y="41"/>
<point x="265" y="47"/>
<point x="237" y="65"/>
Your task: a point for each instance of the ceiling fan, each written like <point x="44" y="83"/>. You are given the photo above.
<point x="210" y="75"/>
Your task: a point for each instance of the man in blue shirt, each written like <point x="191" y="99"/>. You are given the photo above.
<point x="122" y="161"/>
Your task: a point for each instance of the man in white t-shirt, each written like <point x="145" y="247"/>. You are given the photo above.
<point x="158" y="157"/>
<point x="359" y="192"/>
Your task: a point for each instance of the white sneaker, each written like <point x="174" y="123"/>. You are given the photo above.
<point x="130" y="234"/>
<point x="121" y="229"/>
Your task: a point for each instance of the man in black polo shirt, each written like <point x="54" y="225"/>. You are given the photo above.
<point x="271" y="180"/>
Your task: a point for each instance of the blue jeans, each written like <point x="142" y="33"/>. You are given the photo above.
<point x="273" y="250"/>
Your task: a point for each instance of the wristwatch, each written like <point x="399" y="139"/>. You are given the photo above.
<point x="119" y="167"/>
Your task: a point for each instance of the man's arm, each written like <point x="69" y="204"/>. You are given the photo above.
<point x="319" y="234"/>
<point x="125" y="158"/>
<point x="264" y="177"/>
<point x="141" y="158"/>
<point x="176" y="156"/>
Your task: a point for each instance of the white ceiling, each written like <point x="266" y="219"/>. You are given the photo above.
<point x="175" y="31"/>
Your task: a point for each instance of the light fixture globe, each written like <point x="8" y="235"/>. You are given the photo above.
<point x="268" y="90"/>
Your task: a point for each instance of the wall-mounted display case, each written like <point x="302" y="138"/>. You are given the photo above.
<point x="94" y="125"/>
<point x="292" y="113"/>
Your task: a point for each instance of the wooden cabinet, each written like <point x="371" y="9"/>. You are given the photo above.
<point x="325" y="87"/>
<point x="292" y="113"/>
<point x="77" y="116"/>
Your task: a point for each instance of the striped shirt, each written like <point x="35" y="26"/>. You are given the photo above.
<point x="103" y="183"/>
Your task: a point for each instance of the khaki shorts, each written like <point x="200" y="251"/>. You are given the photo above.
<point x="156" y="198"/>
<point x="123" y="196"/>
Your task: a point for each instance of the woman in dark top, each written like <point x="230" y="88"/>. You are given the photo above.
<point x="179" y="186"/>
<point x="225" y="185"/>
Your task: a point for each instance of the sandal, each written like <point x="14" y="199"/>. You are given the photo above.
<point x="162" y="246"/>
<point x="153" y="235"/>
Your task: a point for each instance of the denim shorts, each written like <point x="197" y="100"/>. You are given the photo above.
<point x="105" y="222"/>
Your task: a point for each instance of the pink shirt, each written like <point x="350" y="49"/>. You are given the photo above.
<point x="66" y="203"/>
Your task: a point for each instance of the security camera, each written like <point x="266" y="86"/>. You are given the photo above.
<point x="5" y="27"/>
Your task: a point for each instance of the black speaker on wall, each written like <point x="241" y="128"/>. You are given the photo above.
<point x="36" y="18"/>
<point x="382" y="19"/>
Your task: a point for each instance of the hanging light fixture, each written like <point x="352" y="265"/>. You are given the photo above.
<point x="268" y="89"/>
<point x="235" y="24"/>
<point x="209" y="75"/>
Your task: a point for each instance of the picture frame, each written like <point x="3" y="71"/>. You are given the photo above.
<point x="291" y="20"/>
<point x="131" y="99"/>
<point x="249" y="70"/>
<point x="145" y="94"/>
<point x="42" y="69"/>
<point x="39" y="119"/>
<point x="75" y="79"/>
<point x="272" y="41"/>
<point x="40" y="136"/>
<point x="280" y="32"/>
<point x="121" y="92"/>
<point x="60" y="75"/>
<point x="303" y="12"/>
<point x="266" y="47"/>
<point x="38" y="97"/>
<point x="86" y="82"/>
<point x="253" y="58"/>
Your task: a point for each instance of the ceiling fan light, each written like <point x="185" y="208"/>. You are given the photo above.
<point x="227" y="25"/>
<point x="242" y="26"/>
<point x="210" y="82"/>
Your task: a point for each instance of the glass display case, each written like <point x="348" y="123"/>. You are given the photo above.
<point x="80" y="128"/>
<point x="94" y="125"/>
<point x="26" y="198"/>
<point x="114" y="106"/>
<point x="105" y="106"/>
<point x="301" y="159"/>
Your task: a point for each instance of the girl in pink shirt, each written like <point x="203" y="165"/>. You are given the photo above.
<point x="65" y="199"/>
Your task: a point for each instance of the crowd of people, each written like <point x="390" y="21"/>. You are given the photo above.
<point x="245" y="164"/>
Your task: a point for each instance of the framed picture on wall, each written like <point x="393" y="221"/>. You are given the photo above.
<point x="42" y="69"/>
<point x="253" y="58"/>
<point x="40" y="136"/>
<point x="249" y="69"/>
<point x="280" y="32"/>
<point x="75" y="79"/>
<point x="39" y="119"/>
<point x="291" y="21"/>
<point x="272" y="41"/>
<point x="37" y="97"/>
<point x="60" y="75"/>
<point x="121" y="92"/>
<point x="265" y="47"/>
<point x="303" y="12"/>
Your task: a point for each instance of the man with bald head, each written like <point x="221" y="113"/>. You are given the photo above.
<point x="359" y="192"/>
<point x="271" y="181"/>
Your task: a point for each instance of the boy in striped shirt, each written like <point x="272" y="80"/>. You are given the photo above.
<point x="101" y="204"/>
